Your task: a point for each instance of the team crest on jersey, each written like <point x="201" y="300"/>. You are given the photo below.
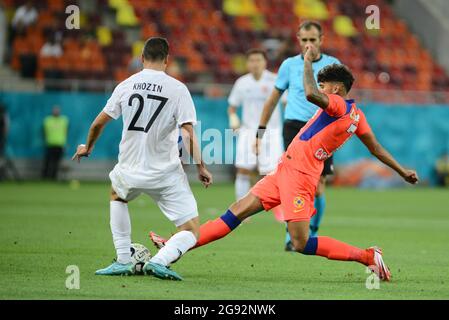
<point x="354" y="115"/>
<point x="299" y="203"/>
<point x="320" y="154"/>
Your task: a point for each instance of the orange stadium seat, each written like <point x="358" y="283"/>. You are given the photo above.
<point x="45" y="19"/>
<point x="64" y="64"/>
<point x="56" y="5"/>
<point x="71" y="45"/>
<point x="8" y="3"/>
<point x="196" y="64"/>
<point x="149" y="30"/>
<point x="144" y="4"/>
<point x="121" y="74"/>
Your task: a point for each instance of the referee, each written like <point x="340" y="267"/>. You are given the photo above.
<point x="298" y="110"/>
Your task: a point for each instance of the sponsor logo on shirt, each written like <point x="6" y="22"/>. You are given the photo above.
<point x="352" y="129"/>
<point x="320" y="154"/>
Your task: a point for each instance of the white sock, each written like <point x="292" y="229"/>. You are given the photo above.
<point x="121" y="230"/>
<point x="242" y="185"/>
<point x="175" y="247"/>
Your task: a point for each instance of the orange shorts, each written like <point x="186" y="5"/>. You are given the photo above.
<point x="290" y="188"/>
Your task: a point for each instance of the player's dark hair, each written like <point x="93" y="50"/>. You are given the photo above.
<point x="155" y="49"/>
<point x="308" y="24"/>
<point x="337" y="73"/>
<point x="256" y="51"/>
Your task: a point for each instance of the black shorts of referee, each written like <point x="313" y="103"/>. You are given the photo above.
<point x="291" y="129"/>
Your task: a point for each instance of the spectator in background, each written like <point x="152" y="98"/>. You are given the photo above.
<point x="271" y="45"/>
<point x="51" y="48"/>
<point x="442" y="170"/>
<point x="86" y="47"/>
<point x="25" y="16"/>
<point x="55" y="133"/>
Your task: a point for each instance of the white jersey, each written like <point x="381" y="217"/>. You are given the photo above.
<point x="251" y="94"/>
<point x="152" y="105"/>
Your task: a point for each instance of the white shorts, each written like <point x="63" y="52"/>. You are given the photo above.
<point x="270" y="150"/>
<point x="175" y="200"/>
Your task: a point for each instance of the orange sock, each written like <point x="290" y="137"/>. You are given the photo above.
<point x="337" y="250"/>
<point x="216" y="229"/>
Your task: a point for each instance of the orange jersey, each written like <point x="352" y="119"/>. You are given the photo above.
<point x="293" y="184"/>
<point x="324" y="133"/>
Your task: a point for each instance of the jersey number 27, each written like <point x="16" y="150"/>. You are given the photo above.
<point x="132" y="125"/>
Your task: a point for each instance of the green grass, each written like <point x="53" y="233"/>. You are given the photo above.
<point x="46" y="227"/>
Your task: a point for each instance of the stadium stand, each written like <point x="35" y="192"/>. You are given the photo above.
<point x="208" y="38"/>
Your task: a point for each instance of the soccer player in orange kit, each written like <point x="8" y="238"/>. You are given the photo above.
<point x="293" y="184"/>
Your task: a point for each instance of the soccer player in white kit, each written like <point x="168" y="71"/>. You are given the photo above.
<point x="152" y="105"/>
<point x="250" y="91"/>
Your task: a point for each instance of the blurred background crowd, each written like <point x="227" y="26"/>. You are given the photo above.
<point x="401" y="64"/>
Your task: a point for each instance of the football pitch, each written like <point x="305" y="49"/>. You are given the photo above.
<point x="46" y="227"/>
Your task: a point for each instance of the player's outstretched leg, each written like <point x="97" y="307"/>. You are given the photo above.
<point x="172" y="250"/>
<point x="121" y="235"/>
<point x="336" y="250"/>
<point x="315" y="221"/>
<point x="220" y="227"/>
<point x="237" y="212"/>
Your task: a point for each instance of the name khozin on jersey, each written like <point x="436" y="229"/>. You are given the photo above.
<point x="148" y="86"/>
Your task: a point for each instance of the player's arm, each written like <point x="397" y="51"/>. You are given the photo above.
<point x="190" y="139"/>
<point x="313" y="95"/>
<point x="235" y="99"/>
<point x="97" y="126"/>
<point x="377" y="150"/>
<point x="267" y="111"/>
<point x="282" y="83"/>
<point x="234" y="121"/>
<point x="269" y="107"/>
